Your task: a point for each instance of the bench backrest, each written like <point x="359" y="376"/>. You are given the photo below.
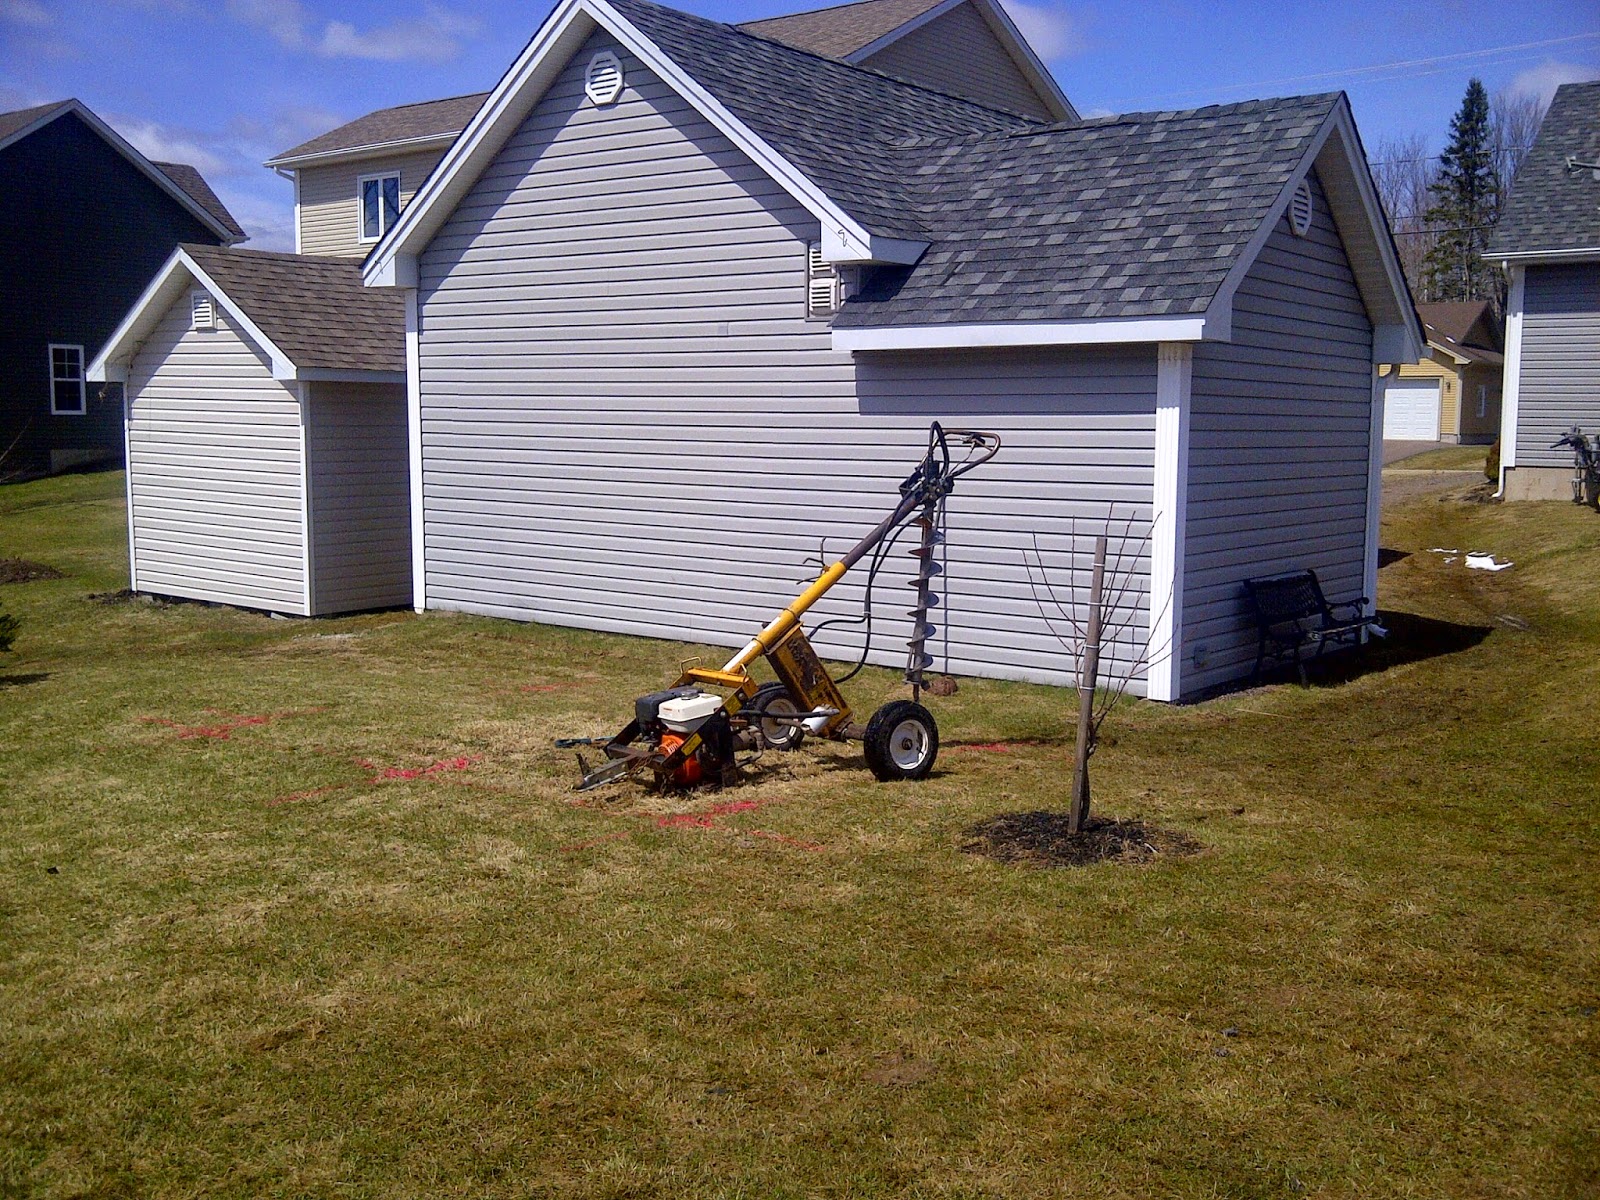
<point x="1292" y="596"/>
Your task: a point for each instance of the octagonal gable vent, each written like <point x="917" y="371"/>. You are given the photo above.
<point x="602" y="82"/>
<point x="1300" y="209"/>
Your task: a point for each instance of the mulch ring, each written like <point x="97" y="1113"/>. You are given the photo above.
<point x="20" y="570"/>
<point x="1040" y="839"/>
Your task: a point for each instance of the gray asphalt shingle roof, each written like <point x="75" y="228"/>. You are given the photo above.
<point x="842" y="30"/>
<point x="197" y="189"/>
<point x="314" y="309"/>
<point x="11" y="122"/>
<point x="1141" y="215"/>
<point x="1551" y="207"/>
<point x="835" y="122"/>
<point x="405" y="122"/>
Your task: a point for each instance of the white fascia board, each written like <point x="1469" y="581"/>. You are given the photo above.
<point x="282" y="367"/>
<point x="121" y="145"/>
<point x="522" y="87"/>
<point x="1024" y="333"/>
<point x="1370" y="543"/>
<point x="1582" y="254"/>
<point x="369" y="150"/>
<point x="110" y="365"/>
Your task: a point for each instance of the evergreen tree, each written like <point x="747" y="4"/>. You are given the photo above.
<point x="1465" y="206"/>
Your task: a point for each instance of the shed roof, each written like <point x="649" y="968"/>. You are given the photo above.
<point x="313" y="309"/>
<point x="840" y="31"/>
<point x="424" y="121"/>
<point x="1554" y="207"/>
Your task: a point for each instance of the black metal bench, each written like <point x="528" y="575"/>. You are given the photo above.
<point x="1293" y="617"/>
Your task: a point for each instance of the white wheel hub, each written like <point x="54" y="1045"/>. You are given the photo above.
<point x="908" y="745"/>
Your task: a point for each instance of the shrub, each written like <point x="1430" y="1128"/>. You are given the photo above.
<point x="1491" y="464"/>
<point x="8" y="631"/>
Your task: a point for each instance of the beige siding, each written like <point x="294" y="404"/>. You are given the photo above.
<point x="330" y="216"/>
<point x="359" y="469"/>
<point x="958" y="54"/>
<point x="628" y="422"/>
<point x="1476" y="430"/>
<point x="214" y="453"/>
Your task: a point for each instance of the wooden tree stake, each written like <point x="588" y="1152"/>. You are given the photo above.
<point x="1088" y="679"/>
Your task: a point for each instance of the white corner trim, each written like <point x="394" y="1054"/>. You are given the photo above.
<point x="1023" y="333"/>
<point x="1511" y="379"/>
<point x="307" y="555"/>
<point x="1369" y="570"/>
<point x="519" y="90"/>
<point x="419" y="563"/>
<point x="297" y="219"/>
<point x="127" y="487"/>
<point x="1174" y="374"/>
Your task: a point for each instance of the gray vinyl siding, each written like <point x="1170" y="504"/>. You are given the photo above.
<point x="359" y="471"/>
<point x="958" y="54"/>
<point x="214" y="450"/>
<point x="1279" y="436"/>
<point x="1559" y="384"/>
<point x="629" y="424"/>
<point x="330" y="211"/>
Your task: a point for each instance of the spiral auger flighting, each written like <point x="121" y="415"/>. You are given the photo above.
<point x="918" y="659"/>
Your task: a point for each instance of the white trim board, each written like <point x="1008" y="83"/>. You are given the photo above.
<point x="121" y="145"/>
<point x="1170" y="503"/>
<point x="1511" y="378"/>
<point x="1369" y="571"/>
<point x="1022" y="333"/>
<point x="393" y="260"/>
<point x="1582" y="254"/>
<point x="419" y="565"/>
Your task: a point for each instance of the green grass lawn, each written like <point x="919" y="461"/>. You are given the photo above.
<point x="308" y="908"/>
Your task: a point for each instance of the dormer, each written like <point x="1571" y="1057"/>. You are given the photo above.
<point x="966" y="48"/>
<point x="352" y="183"/>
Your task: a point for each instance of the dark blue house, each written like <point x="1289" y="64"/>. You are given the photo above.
<point x="89" y="221"/>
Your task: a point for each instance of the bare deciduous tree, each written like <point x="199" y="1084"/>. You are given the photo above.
<point x="1514" y="122"/>
<point x="1404" y="170"/>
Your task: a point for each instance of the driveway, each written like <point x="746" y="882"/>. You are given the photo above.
<point x="1395" y="451"/>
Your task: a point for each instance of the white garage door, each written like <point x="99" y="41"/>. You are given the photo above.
<point x="1411" y="410"/>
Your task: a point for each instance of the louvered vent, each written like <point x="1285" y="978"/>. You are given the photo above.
<point x="822" y="283"/>
<point x="602" y="82"/>
<point x="202" y="312"/>
<point x="1300" y="209"/>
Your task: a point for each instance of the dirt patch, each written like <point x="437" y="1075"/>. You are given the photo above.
<point x="1041" y="839"/>
<point x="121" y="597"/>
<point x="20" y="570"/>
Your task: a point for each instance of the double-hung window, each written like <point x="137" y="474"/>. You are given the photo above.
<point x="67" y="397"/>
<point x="380" y="204"/>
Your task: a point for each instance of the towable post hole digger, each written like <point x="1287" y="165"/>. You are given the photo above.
<point x="691" y="734"/>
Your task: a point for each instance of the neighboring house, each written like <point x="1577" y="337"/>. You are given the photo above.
<point x="966" y="48"/>
<point x="267" y="461"/>
<point x="1452" y="394"/>
<point x="681" y="300"/>
<point x="90" y="221"/>
<point x="1548" y="239"/>
<point x="351" y="182"/>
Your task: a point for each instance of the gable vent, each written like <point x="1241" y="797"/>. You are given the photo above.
<point x="202" y="312"/>
<point x="1300" y="209"/>
<point x="602" y="82"/>
<point x="822" y="283"/>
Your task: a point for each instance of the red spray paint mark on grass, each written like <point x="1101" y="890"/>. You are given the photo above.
<point x="377" y="774"/>
<point x="223" y="730"/>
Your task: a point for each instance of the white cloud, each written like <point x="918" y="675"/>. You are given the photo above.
<point x="433" y="37"/>
<point x="1542" y="81"/>
<point x="160" y="143"/>
<point x="25" y="12"/>
<point x="268" y="221"/>
<point x="1051" y="32"/>
<point x="1094" y="114"/>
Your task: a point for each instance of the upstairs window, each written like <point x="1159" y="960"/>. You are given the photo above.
<point x="824" y="288"/>
<point x="380" y="204"/>
<point x="66" y="381"/>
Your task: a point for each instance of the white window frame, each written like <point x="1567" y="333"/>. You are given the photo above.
<point x="361" y="214"/>
<point x="83" y="388"/>
<point x="1483" y="400"/>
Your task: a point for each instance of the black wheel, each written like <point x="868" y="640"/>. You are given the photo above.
<point x="774" y="698"/>
<point x="902" y="741"/>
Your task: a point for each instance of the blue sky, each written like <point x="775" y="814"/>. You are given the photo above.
<point x="224" y="84"/>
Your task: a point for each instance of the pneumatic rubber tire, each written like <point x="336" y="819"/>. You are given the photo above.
<point x="774" y="697"/>
<point x="902" y="741"/>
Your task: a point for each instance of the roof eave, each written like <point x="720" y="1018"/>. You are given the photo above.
<point x="1524" y="257"/>
<point x="1108" y="332"/>
<point x="367" y="150"/>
